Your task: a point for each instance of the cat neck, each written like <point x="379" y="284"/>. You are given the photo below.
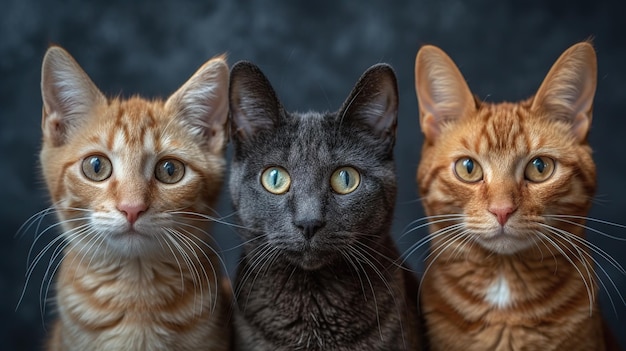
<point x="522" y="281"/>
<point x="306" y="306"/>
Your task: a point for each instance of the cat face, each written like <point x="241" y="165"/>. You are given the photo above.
<point x="132" y="177"/>
<point x="312" y="187"/>
<point x="497" y="175"/>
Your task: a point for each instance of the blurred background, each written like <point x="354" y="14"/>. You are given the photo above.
<point x="313" y="52"/>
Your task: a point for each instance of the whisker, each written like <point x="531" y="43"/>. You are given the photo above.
<point x="238" y="246"/>
<point x="36" y="218"/>
<point x="438" y="219"/>
<point x="49" y="228"/>
<point x="566" y="235"/>
<point x="253" y="259"/>
<point x="593" y="247"/>
<point x="563" y="254"/>
<point x="560" y="218"/>
<point x="441" y="232"/>
<point x="441" y="249"/>
<point x="268" y="261"/>
<point x="380" y="330"/>
<point x="362" y="250"/>
<point x="348" y="259"/>
<point x="166" y="238"/>
<point x="43" y="293"/>
<point x="210" y="218"/>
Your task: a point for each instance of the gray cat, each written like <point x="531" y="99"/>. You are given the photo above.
<point x="314" y="194"/>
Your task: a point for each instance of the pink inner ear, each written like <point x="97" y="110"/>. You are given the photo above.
<point x="430" y="127"/>
<point x="569" y="88"/>
<point x="580" y="128"/>
<point x="442" y="92"/>
<point x="54" y="129"/>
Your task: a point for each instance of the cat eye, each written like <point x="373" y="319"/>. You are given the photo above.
<point x="345" y="180"/>
<point x="169" y="171"/>
<point x="539" y="169"/>
<point x="468" y="170"/>
<point x="97" y="167"/>
<point x="276" y="180"/>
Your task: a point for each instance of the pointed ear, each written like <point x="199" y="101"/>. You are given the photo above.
<point x="373" y="103"/>
<point x="68" y="95"/>
<point x="567" y="92"/>
<point x="442" y="93"/>
<point x="202" y="102"/>
<point x="253" y="102"/>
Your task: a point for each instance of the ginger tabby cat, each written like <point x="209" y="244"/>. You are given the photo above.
<point x="132" y="182"/>
<point x="506" y="188"/>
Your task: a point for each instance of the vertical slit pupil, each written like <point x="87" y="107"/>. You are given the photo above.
<point x="345" y="177"/>
<point x="95" y="163"/>
<point x="169" y="168"/>
<point x="469" y="165"/>
<point x="539" y="164"/>
<point x="274" y="177"/>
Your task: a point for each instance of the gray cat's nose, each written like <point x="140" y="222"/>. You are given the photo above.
<point x="310" y="226"/>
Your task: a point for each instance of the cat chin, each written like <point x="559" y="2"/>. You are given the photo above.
<point x="307" y="260"/>
<point x="504" y="244"/>
<point x="133" y="244"/>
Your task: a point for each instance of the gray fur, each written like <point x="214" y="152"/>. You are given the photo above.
<point x="340" y="289"/>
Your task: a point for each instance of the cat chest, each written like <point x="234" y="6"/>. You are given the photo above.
<point x="320" y="322"/>
<point x="498" y="293"/>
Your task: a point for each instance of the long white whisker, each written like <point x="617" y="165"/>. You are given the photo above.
<point x="267" y="263"/>
<point x="446" y="218"/>
<point x="593" y="247"/>
<point x="50" y="227"/>
<point x="209" y="218"/>
<point x="441" y="232"/>
<point x="380" y="330"/>
<point x="253" y="259"/>
<point x="587" y="287"/>
<point x="166" y="238"/>
<point x="560" y="218"/>
<point x="442" y="248"/>
<point x="565" y="235"/>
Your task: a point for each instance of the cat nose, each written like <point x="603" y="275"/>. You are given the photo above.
<point x="132" y="211"/>
<point x="502" y="212"/>
<point x="310" y="227"/>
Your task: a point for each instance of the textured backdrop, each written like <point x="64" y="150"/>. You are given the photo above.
<point x="313" y="53"/>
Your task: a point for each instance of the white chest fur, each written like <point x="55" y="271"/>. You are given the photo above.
<point x="499" y="294"/>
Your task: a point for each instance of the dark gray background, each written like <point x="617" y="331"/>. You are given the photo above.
<point x="313" y="52"/>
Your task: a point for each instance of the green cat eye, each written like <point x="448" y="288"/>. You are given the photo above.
<point x="345" y="180"/>
<point x="97" y="167"/>
<point x="276" y="180"/>
<point x="169" y="171"/>
<point x="468" y="170"/>
<point x="539" y="169"/>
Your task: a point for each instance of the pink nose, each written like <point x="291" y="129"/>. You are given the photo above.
<point x="502" y="212"/>
<point x="132" y="211"/>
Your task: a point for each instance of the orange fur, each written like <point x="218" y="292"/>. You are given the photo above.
<point x="125" y="282"/>
<point x="492" y="281"/>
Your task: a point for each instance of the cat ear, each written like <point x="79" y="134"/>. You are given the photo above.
<point x="68" y="95"/>
<point x="442" y="93"/>
<point x="374" y="102"/>
<point x="567" y="91"/>
<point x="253" y="102"/>
<point x="202" y="102"/>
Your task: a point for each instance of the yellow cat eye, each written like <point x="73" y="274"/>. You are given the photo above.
<point x="169" y="171"/>
<point x="276" y="180"/>
<point x="539" y="169"/>
<point x="97" y="167"/>
<point x="468" y="170"/>
<point x="345" y="180"/>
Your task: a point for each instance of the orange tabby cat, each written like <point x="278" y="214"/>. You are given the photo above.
<point x="133" y="182"/>
<point x="506" y="187"/>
